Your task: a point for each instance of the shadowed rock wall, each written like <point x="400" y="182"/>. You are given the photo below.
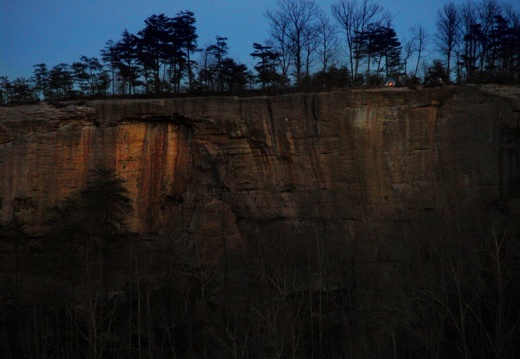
<point x="374" y="163"/>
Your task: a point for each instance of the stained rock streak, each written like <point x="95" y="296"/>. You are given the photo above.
<point x="373" y="162"/>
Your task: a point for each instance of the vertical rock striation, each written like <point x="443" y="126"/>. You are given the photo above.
<point x="374" y="163"/>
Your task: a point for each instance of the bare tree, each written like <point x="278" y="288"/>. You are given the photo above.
<point x="354" y="18"/>
<point x="309" y="53"/>
<point x="206" y="63"/>
<point x="328" y="43"/>
<point x="448" y="22"/>
<point x="291" y="26"/>
<point x="279" y="41"/>
<point x="408" y="51"/>
<point x="471" y="36"/>
<point x="488" y="11"/>
<point x="420" y="39"/>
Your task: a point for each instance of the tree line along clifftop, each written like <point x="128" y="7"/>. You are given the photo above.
<point x="307" y="49"/>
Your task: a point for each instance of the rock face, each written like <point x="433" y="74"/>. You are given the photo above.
<point x="374" y="164"/>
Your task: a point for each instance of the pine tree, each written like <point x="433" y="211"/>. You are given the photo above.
<point x="106" y="202"/>
<point x="266" y="66"/>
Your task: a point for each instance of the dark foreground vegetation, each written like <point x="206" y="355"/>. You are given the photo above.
<point x="475" y="42"/>
<point x="311" y="293"/>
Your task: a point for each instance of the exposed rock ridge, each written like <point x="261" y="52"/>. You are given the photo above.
<point x="373" y="162"/>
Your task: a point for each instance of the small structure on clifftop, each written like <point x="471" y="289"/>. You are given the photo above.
<point x="389" y="82"/>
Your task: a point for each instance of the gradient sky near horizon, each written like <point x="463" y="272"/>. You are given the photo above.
<point x="55" y="31"/>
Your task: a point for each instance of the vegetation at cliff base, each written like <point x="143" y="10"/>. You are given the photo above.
<point x="89" y="289"/>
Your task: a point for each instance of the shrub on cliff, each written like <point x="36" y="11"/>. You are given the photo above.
<point x="12" y="229"/>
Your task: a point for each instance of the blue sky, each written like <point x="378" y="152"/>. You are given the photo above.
<point x="54" y="31"/>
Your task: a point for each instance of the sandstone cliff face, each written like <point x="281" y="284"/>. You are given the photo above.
<point x="371" y="163"/>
